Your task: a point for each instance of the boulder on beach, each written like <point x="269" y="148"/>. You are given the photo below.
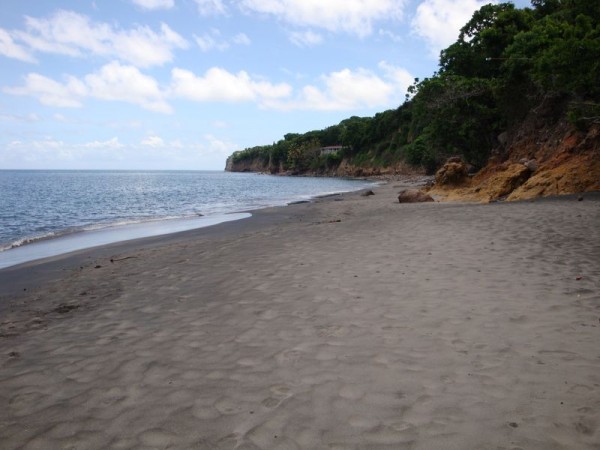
<point x="413" y="196"/>
<point x="454" y="172"/>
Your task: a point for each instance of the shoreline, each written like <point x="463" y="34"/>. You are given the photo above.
<point x="61" y="226"/>
<point x="61" y="242"/>
<point x="52" y="246"/>
<point x="45" y="268"/>
<point x="357" y="323"/>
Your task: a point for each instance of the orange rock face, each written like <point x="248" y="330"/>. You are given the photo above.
<point x="579" y="173"/>
<point x="550" y="161"/>
<point x="453" y="173"/>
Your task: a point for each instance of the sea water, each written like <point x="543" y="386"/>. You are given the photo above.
<point x="47" y="213"/>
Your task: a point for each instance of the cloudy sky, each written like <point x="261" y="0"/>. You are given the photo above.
<point x="180" y="84"/>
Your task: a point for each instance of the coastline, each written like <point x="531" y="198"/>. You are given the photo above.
<point x="347" y="322"/>
<point x="26" y="239"/>
<point x="19" y="278"/>
<point x="51" y="246"/>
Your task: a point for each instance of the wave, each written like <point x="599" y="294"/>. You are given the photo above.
<point x="173" y="201"/>
<point x="55" y="234"/>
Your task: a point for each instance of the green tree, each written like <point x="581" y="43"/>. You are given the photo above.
<point x="505" y="62"/>
<point x="301" y="155"/>
<point x="353" y="132"/>
<point x="483" y="40"/>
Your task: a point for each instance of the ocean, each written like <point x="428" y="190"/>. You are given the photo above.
<point x="47" y="213"/>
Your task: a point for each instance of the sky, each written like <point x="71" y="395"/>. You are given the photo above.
<point x="181" y="84"/>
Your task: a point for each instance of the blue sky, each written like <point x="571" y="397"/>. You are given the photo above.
<point x="181" y="84"/>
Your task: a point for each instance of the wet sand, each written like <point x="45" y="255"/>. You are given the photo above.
<point x="348" y="323"/>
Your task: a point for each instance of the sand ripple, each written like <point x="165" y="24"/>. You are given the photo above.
<point x="400" y="326"/>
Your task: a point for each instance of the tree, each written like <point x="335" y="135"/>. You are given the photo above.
<point x="504" y="62"/>
<point x="483" y="40"/>
<point x="301" y="155"/>
<point x="353" y="132"/>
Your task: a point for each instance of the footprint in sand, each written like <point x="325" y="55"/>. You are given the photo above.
<point x="279" y="394"/>
<point x="271" y="402"/>
<point x="289" y="356"/>
<point x="281" y="390"/>
<point x="227" y="406"/>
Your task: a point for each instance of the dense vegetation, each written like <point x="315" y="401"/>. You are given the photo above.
<point x="505" y="62"/>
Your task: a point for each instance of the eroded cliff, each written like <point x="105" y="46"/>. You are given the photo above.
<point x="540" y="158"/>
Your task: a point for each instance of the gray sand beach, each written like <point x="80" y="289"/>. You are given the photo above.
<point x="352" y="322"/>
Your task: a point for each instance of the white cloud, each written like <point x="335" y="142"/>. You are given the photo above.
<point x="154" y="4"/>
<point x="211" y="41"/>
<point x="10" y="49"/>
<point x="350" y="16"/>
<point x="35" y="153"/>
<point x="176" y="148"/>
<point x="214" y="41"/>
<point x="143" y="47"/>
<point x="341" y="90"/>
<point x="153" y="141"/>
<point x="241" y="39"/>
<point x="113" y="82"/>
<point x="72" y="34"/>
<point x="218" y="146"/>
<point x="152" y="152"/>
<point x="31" y="117"/>
<point x="207" y="151"/>
<point x="48" y="143"/>
<point x="438" y="22"/>
<point x="211" y="7"/>
<point x="50" y="92"/>
<point x="55" y="153"/>
<point x="113" y="143"/>
<point x="347" y="89"/>
<point x="306" y="38"/>
<point x="126" y="83"/>
<point x="399" y="76"/>
<point x="387" y="34"/>
<point x="218" y="84"/>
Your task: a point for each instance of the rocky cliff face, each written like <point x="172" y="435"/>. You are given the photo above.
<point x="254" y="165"/>
<point x="543" y="155"/>
<point x="229" y="165"/>
<point x="537" y="160"/>
<point x="345" y="169"/>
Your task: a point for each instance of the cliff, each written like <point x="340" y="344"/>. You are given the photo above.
<point x="246" y="165"/>
<point x="512" y="113"/>
<point x="541" y="157"/>
<point x="346" y="168"/>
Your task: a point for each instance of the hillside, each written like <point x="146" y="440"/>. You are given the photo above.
<point x="515" y="104"/>
<point x="541" y="157"/>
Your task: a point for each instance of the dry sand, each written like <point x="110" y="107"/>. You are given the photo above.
<point x="352" y="324"/>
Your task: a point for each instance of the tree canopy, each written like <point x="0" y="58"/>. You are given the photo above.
<point x="504" y="63"/>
